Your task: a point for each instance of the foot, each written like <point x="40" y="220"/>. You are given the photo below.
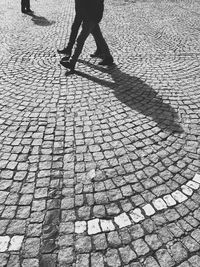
<point x="107" y="61"/>
<point x="67" y="64"/>
<point x="65" y="51"/>
<point x="97" y="54"/>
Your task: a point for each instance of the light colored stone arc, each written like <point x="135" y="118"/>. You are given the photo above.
<point x="136" y="215"/>
<point x="179" y="196"/>
<point x="148" y="209"/>
<point x="159" y="204"/>
<point x="169" y="200"/>
<point x="197" y="178"/>
<point x="15" y="243"/>
<point x="93" y="227"/>
<point x="107" y="225"/>
<point x="193" y="185"/>
<point x="4" y="240"/>
<point x="187" y="190"/>
<point x="123" y="220"/>
<point x="80" y="227"/>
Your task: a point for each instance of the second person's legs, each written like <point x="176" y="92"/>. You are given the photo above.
<point x="103" y="47"/>
<point x="87" y="28"/>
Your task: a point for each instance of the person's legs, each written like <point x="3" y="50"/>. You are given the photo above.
<point x="74" y="32"/>
<point x="98" y="52"/>
<point x="100" y="41"/>
<point x="87" y="28"/>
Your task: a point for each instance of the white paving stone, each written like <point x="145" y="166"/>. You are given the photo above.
<point x="179" y="196"/>
<point x="16" y="242"/>
<point x="80" y="227"/>
<point x="122" y="220"/>
<point x="197" y="178"/>
<point x="107" y="225"/>
<point x="136" y="215"/>
<point x="148" y="209"/>
<point x="159" y="204"/>
<point x="4" y="240"/>
<point x="193" y="185"/>
<point x="169" y="200"/>
<point x="187" y="190"/>
<point x="93" y="227"/>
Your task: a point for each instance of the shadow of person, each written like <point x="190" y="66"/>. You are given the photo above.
<point x="41" y="21"/>
<point x="137" y="95"/>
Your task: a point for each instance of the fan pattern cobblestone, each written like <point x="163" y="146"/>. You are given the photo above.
<point x="100" y="168"/>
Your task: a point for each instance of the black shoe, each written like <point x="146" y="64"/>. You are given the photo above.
<point x="24" y="11"/>
<point x="65" y="51"/>
<point x="67" y="64"/>
<point x="107" y="61"/>
<point x="97" y="54"/>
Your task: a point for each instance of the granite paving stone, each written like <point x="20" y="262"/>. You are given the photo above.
<point x="97" y="259"/>
<point x="164" y="258"/>
<point x="112" y="258"/>
<point x="140" y="247"/>
<point x="179" y="252"/>
<point x="194" y="260"/>
<point x="100" y="242"/>
<point x="127" y="254"/>
<point x="100" y="167"/>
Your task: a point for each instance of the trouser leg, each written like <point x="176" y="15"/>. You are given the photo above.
<point x="23" y="5"/>
<point x="28" y="4"/>
<point x="87" y="28"/>
<point x="74" y="32"/>
<point x="100" y="41"/>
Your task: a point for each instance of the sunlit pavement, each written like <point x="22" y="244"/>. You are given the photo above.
<point x="100" y="167"/>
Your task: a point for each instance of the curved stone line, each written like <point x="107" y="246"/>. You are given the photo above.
<point x="11" y="243"/>
<point x="124" y="219"/>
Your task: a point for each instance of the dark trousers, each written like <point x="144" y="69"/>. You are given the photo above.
<point x="90" y="26"/>
<point x="25" y="5"/>
<point x="74" y="32"/>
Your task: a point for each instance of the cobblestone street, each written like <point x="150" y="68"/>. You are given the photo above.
<point x="101" y="167"/>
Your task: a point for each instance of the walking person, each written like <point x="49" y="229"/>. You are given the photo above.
<point x="67" y="51"/>
<point x="91" y="12"/>
<point x="25" y="6"/>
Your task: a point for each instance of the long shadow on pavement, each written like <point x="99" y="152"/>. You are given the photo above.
<point x="40" y="21"/>
<point x="137" y="95"/>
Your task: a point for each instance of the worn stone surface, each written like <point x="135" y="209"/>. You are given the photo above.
<point x="100" y="167"/>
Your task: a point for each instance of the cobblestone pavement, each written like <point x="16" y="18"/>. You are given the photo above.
<point x="100" y="168"/>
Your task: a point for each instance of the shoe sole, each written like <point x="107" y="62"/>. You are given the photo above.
<point x="64" y="64"/>
<point x="63" y="53"/>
